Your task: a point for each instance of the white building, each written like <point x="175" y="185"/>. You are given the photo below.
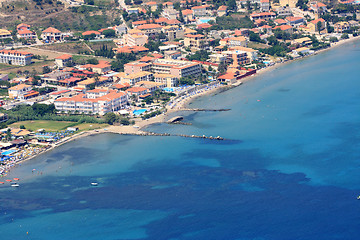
<point x="15" y="57"/>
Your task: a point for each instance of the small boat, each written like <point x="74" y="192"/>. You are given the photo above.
<point x="358" y="198"/>
<point x="8" y="180"/>
<point x="16" y="179"/>
<point x="1" y="182"/>
<point x="15" y="185"/>
<point x="94" y="183"/>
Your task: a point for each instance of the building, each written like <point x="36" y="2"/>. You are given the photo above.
<point x="55" y="77"/>
<point x="285" y="28"/>
<point x="64" y="60"/>
<point x="150" y="29"/>
<point x="51" y="34"/>
<point x="135" y="40"/>
<point x="222" y="11"/>
<point x="195" y="42"/>
<point x="167" y="79"/>
<point x="95" y="101"/>
<point x="5" y="34"/>
<point x="341" y="27"/>
<point x="284" y="11"/>
<point x="294" y="21"/>
<point x="252" y="54"/>
<point x="199" y="11"/>
<point x="262" y="15"/>
<point x="22" y="26"/>
<point x="137" y="91"/>
<point x="137" y="66"/>
<point x="15" y="57"/>
<point x="19" y="91"/>
<point x="178" y="68"/>
<point x="4" y="77"/>
<point x="264" y="5"/>
<point x="313" y="25"/>
<point x="237" y="41"/>
<point x="151" y="86"/>
<point x="173" y="32"/>
<point x="121" y="29"/>
<point x="152" y="6"/>
<point x="280" y="21"/>
<point x="188" y="15"/>
<point x="238" y="57"/>
<point x="170" y="13"/>
<point x="87" y="34"/>
<point x="133" y="78"/>
<point x="24" y="32"/>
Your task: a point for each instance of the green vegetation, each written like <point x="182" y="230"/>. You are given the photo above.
<point x="232" y="23"/>
<point x="55" y="125"/>
<point x="111" y="118"/>
<point x="152" y="114"/>
<point x="153" y="45"/>
<point x="201" y="55"/>
<point x="105" y="52"/>
<point x="121" y="59"/>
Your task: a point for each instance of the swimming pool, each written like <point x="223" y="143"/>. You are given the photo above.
<point x="8" y="152"/>
<point x="139" y="111"/>
<point x="205" y="20"/>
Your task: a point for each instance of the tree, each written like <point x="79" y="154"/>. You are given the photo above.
<point x="46" y="69"/>
<point x="109" y="33"/>
<point x="319" y="26"/>
<point x="110" y="118"/>
<point x="8" y="134"/>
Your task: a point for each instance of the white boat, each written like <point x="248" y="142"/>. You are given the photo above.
<point x="15" y="185"/>
<point x="358" y="198"/>
<point x="94" y="183"/>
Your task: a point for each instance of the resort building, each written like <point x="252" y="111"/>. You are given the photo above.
<point x="168" y="79"/>
<point x="178" y="68"/>
<point x="173" y="32"/>
<point x="252" y="54"/>
<point x="134" y="78"/>
<point x="135" y="39"/>
<point x="137" y="91"/>
<point x="95" y="101"/>
<point x="151" y="86"/>
<point x="150" y="29"/>
<point x="15" y="57"/>
<point x="264" y="5"/>
<point x="135" y="67"/>
<point x="263" y="15"/>
<point x="55" y="77"/>
<point x="199" y="11"/>
<point x="237" y="41"/>
<point x="313" y="25"/>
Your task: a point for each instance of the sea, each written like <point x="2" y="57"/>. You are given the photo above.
<point x="288" y="169"/>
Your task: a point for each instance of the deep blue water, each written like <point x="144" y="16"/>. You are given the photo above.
<point x="290" y="169"/>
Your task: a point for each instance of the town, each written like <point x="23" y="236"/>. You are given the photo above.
<point x="122" y="62"/>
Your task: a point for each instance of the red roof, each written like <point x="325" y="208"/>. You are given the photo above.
<point x="198" y="7"/>
<point x="70" y="80"/>
<point x="90" y="32"/>
<point x="222" y="8"/>
<point x="22" y="25"/>
<point x="51" y="30"/>
<point x="292" y="19"/>
<point x="136" y="89"/>
<point x="280" y="21"/>
<point x="139" y="22"/>
<point x="283" y="27"/>
<point x="64" y="57"/>
<point x="25" y="31"/>
<point x="187" y="12"/>
<point x="204" y="25"/>
<point x="59" y="92"/>
<point x="317" y="20"/>
<point x="149" y="26"/>
<point x="128" y="49"/>
<point x="173" y="22"/>
<point x="15" y="52"/>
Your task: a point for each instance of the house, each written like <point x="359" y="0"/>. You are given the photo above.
<point x="132" y="10"/>
<point x="252" y="54"/>
<point x="303" y="41"/>
<point x="285" y="28"/>
<point x="341" y="27"/>
<point x="237" y="41"/>
<point x="52" y="34"/>
<point x="152" y="6"/>
<point x="237" y="57"/>
<point x="121" y="29"/>
<point x="101" y="67"/>
<point x="63" y="60"/>
<point x="151" y="86"/>
<point x="87" y="34"/>
<point x="135" y="39"/>
<point x="222" y="10"/>
<point x="131" y="49"/>
<point x="280" y="21"/>
<point x="199" y="11"/>
<point x="168" y="79"/>
<point x="264" y="5"/>
<point x="19" y="91"/>
<point x="302" y="51"/>
<point x="54" y="77"/>
<point x="203" y="26"/>
<point x="188" y="15"/>
<point x="266" y="29"/>
<point x="173" y="32"/>
<point x="294" y="21"/>
<point x="262" y="15"/>
<point x="172" y="54"/>
<point x="15" y="57"/>
<point x="317" y="7"/>
<point x="170" y="13"/>
<point x="313" y="25"/>
<point x="22" y="26"/>
<point x="5" y="34"/>
<point x="283" y="11"/>
<point x="137" y="91"/>
<point x="150" y="29"/>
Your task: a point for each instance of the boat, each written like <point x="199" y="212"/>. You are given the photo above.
<point x="358" y="198"/>
<point x="15" y="185"/>
<point x="16" y="179"/>
<point x="1" y="182"/>
<point x="94" y="183"/>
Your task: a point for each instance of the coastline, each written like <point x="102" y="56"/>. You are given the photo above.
<point x="141" y="124"/>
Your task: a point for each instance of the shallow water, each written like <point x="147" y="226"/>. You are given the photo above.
<point x="290" y="169"/>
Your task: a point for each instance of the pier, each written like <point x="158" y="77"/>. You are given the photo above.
<point x="206" y="110"/>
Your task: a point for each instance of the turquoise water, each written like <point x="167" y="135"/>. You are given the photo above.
<point x="289" y="169"/>
<point x="139" y="111"/>
<point x="8" y="152"/>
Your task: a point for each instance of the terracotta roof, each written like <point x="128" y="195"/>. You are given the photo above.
<point x="198" y="7"/>
<point x="280" y="21"/>
<point x="204" y="25"/>
<point x="128" y="49"/>
<point x="283" y="27"/>
<point x="149" y="26"/>
<point x="90" y="32"/>
<point x="187" y="12"/>
<point x="51" y="30"/>
<point x="59" y="92"/>
<point x="222" y="8"/>
<point x="136" y="89"/>
<point x="19" y="87"/>
<point x="317" y="20"/>
<point x="22" y="25"/>
<point x="292" y="19"/>
<point x="194" y="35"/>
<point x="151" y="3"/>
<point x="15" y="52"/>
<point x="139" y="22"/>
<point x="173" y="21"/>
<point x="64" y="56"/>
<point x="25" y="31"/>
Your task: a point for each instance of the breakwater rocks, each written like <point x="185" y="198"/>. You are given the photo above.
<point x="203" y="136"/>
<point x="205" y="110"/>
<point x="181" y="123"/>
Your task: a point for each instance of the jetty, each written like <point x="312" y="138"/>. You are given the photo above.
<point x="175" y="119"/>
